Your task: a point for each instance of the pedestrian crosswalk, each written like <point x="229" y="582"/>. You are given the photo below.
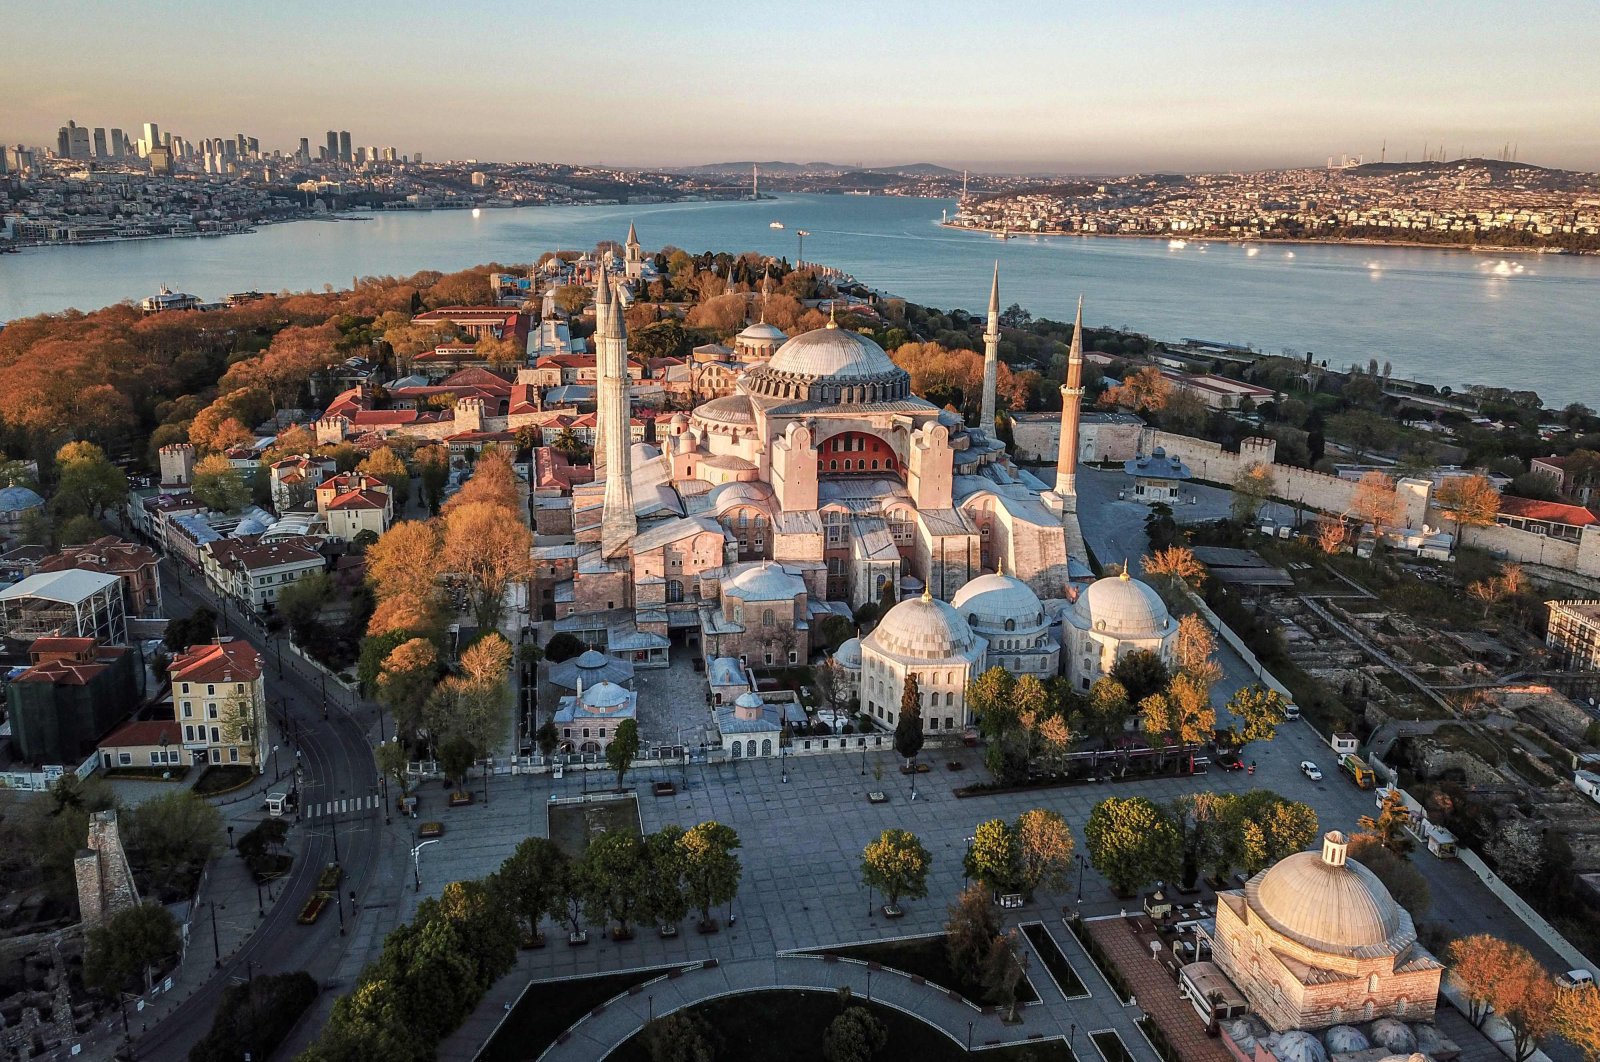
<point x="339" y="807"/>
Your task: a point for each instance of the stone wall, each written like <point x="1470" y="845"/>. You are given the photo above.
<point x="105" y="880"/>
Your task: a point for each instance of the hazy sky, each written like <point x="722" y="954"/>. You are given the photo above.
<point x="1064" y="85"/>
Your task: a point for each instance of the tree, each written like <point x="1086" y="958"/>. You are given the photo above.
<point x="549" y="739"/>
<point x="384" y="464"/>
<point x="473" y="704"/>
<point x="1261" y="711"/>
<point x="570" y="299"/>
<point x="1468" y="501"/>
<point x="1252" y="486"/>
<point x="1132" y="843"/>
<point x="1577" y="1014"/>
<point x="433" y="471"/>
<point x="1044" y="850"/>
<point x="1476" y="964"/>
<point x="456" y="757"/>
<point x="218" y="485"/>
<point x="682" y="1036"/>
<point x="1143" y="391"/>
<point x="833" y="630"/>
<point x="563" y="646"/>
<point x="1524" y="995"/>
<point x="896" y="864"/>
<point x="853" y="1036"/>
<point x="80" y="529"/>
<point x="1003" y="967"/>
<point x="974" y="921"/>
<point x="1403" y="880"/>
<point x="992" y="856"/>
<point x="1141" y="673"/>
<point x="301" y="602"/>
<point x="908" y="729"/>
<point x="1175" y="562"/>
<point x="406" y="680"/>
<point x="1375" y="501"/>
<point x="663" y="899"/>
<point x="1390" y="827"/>
<point x="489" y="548"/>
<point x="198" y="627"/>
<point x="1108" y="707"/>
<point x="1333" y="534"/>
<point x="172" y="835"/>
<point x="404" y="563"/>
<point x="394" y="761"/>
<point x="1267" y="827"/>
<point x="623" y="748"/>
<point x="613" y="872"/>
<point x="1194" y="650"/>
<point x="710" y="869"/>
<point x="125" y="949"/>
<point x="87" y="483"/>
<point x="531" y="881"/>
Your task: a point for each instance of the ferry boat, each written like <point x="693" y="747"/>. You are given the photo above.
<point x="167" y="299"/>
<point x="776" y="225"/>
<point x="1003" y="234"/>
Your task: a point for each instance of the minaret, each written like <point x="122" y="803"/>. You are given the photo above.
<point x="991" y="357"/>
<point x="632" y="252"/>
<point x="602" y="362"/>
<point x="1071" y="397"/>
<point x="618" y="524"/>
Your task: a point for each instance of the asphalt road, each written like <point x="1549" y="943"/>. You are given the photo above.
<point x="336" y="761"/>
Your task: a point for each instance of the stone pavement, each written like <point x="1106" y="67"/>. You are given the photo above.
<point x="1151" y="984"/>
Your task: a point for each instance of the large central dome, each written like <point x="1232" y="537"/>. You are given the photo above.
<point x="829" y="365"/>
<point x="833" y="352"/>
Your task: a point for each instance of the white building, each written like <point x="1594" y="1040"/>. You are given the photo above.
<point x="1113" y="617"/>
<point x="927" y="638"/>
<point x="1008" y="615"/>
<point x="75" y="603"/>
<point x="750" y="727"/>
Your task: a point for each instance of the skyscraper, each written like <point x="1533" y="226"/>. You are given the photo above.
<point x="344" y="146"/>
<point x="100" y="143"/>
<point x="304" y="154"/>
<point x="72" y="141"/>
<point x="119" y="144"/>
<point x="152" y="135"/>
<point x="333" y="146"/>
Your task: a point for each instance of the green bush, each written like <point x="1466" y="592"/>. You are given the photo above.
<point x="255" y="1017"/>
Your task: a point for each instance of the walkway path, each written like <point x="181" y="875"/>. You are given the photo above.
<point x="1365" y="645"/>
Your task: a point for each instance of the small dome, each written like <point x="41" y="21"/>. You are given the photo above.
<point x="1298" y="1045"/>
<point x="923" y="628"/>
<point x="1342" y="1038"/>
<point x="849" y="654"/>
<point x="592" y="660"/>
<point x="249" y="526"/>
<point x="831" y="351"/>
<point x="990" y="600"/>
<point x="16" y="499"/>
<point x="603" y="696"/>
<point x="767" y="581"/>
<point x="741" y="492"/>
<point x="1392" y="1034"/>
<point x="762" y="332"/>
<point x="729" y="409"/>
<point x="1428" y="1039"/>
<point x="1121" y="604"/>
<point x="1328" y="903"/>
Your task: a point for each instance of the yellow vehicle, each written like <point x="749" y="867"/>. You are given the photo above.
<point x="1357" y="769"/>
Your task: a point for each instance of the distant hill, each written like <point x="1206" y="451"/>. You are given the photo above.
<point x="1068" y="190"/>
<point x="787" y="169"/>
<point x="917" y="169"/>
<point x="1495" y="166"/>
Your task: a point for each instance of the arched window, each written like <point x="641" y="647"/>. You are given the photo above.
<point x="750" y="747"/>
<point x="1401" y="1005"/>
<point x="1372" y="982"/>
<point x="738" y="612"/>
<point x="736" y="750"/>
<point x="1011" y="624"/>
<point x="766" y="747"/>
<point x="768" y="618"/>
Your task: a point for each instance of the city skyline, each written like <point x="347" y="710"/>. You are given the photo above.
<point x="1220" y="86"/>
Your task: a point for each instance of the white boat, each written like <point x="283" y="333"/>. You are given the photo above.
<point x="776" y="225"/>
<point x="1003" y="234"/>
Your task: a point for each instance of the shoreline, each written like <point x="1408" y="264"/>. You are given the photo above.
<point x="1468" y="248"/>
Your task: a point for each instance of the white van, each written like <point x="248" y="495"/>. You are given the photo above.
<point x="1575" y="979"/>
<point x="1291" y="713"/>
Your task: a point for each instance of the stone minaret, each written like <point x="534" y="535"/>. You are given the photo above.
<point x="1071" y="398"/>
<point x="618" y="524"/>
<point x="602" y="354"/>
<point x="991" y="356"/>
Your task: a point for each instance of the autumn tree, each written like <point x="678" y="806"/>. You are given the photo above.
<point x="1260" y="710"/>
<point x="973" y="922"/>
<point x="219" y="486"/>
<point x="406" y="681"/>
<point x="570" y="299"/>
<point x="1044" y="850"/>
<point x="1467" y="501"/>
<point x="1108" y="708"/>
<point x="1252" y="486"/>
<point x="1375" y="501"/>
<point x="489" y="549"/>
<point x="472" y="705"/>
<point x="1391" y="826"/>
<point x="1577" y="1014"/>
<point x="711" y="871"/>
<point x="1476" y="964"/>
<point x="384" y="464"/>
<point x="404" y="562"/>
<point x="1145" y="390"/>
<point x="87" y="483"/>
<point x="1333" y="534"/>
<point x="992" y="856"/>
<point x="1195" y="650"/>
<point x="1524" y="995"/>
<point x="1132" y="842"/>
<point x="501" y="354"/>
<point x="1177" y="563"/>
<point x="896" y="864"/>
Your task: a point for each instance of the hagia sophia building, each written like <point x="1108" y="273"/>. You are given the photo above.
<point x="818" y="485"/>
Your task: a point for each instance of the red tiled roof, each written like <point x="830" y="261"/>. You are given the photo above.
<point x="143" y="732"/>
<point x="1553" y="512"/>
<point x="230" y="661"/>
<point x="60" y="644"/>
<point x="385" y="416"/>
<point x="359" y="499"/>
<point x="61" y="673"/>
<point x="273" y="554"/>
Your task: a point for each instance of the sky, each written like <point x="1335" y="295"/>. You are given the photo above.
<point x="1057" y="86"/>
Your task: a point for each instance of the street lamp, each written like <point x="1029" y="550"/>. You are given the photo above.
<point x="416" y="861"/>
<point x="1081" y="862"/>
<point x="800" y="256"/>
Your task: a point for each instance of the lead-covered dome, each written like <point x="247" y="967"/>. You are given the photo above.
<point x="14" y="499"/>
<point x="762" y="332"/>
<point x="990" y="601"/>
<point x="833" y="352"/>
<point x="764" y="581"/>
<point x="924" y="628"/>
<point x="1125" y="606"/>
<point x="829" y="365"/>
<point x="1330" y="904"/>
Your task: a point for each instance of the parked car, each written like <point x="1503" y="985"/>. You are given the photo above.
<point x="1311" y="770"/>
<point x="1575" y="979"/>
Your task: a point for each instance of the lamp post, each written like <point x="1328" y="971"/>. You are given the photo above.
<point x="216" y="948"/>
<point x="1081" y="862"/>
<point x="800" y="256"/>
<point x="969" y="1038"/>
<point x="416" y="861"/>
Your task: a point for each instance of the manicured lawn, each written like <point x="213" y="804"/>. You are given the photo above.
<point x="222" y="778"/>
<point x="784" y="1026"/>
<point x="572" y="825"/>
<point x="548" y="1009"/>
<point x="925" y="957"/>
<point x="1050" y="954"/>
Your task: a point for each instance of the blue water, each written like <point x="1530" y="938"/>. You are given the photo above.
<point x="1524" y="321"/>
